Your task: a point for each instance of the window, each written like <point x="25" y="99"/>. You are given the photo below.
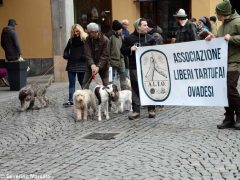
<point x="98" y="11"/>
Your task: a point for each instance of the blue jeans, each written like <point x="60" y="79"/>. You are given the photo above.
<point x="72" y="81"/>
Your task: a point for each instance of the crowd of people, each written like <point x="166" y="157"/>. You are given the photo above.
<point x="91" y="52"/>
<point x="118" y="51"/>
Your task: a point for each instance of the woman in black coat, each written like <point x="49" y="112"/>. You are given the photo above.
<point x="74" y="54"/>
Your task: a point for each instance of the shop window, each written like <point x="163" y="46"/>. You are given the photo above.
<point x="98" y="11"/>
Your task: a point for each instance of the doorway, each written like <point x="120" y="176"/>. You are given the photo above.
<point x="161" y="13"/>
<point x="98" y="11"/>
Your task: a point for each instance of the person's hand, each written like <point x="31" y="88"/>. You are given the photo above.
<point x="209" y="37"/>
<point x="173" y="40"/>
<point x="95" y="69"/>
<point x="20" y="58"/>
<point x="227" y="37"/>
<point x="134" y="48"/>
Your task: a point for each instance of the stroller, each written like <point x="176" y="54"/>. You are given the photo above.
<point x="3" y="76"/>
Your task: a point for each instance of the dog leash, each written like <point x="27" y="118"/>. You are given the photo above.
<point x="43" y="74"/>
<point x="93" y="77"/>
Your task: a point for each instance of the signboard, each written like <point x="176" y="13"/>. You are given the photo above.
<point x="191" y="73"/>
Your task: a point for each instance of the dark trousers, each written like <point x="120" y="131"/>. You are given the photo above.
<point x="233" y="94"/>
<point x="88" y="78"/>
<point x="135" y="92"/>
<point x="72" y="81"/>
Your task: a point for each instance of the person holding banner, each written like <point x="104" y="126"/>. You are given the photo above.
<point x="139" y="37"/>
<point x="187" y="30"/>
<point x="230" y="30"/>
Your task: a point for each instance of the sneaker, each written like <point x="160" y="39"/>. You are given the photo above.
<point x="68" y="103"/>
<point x="134" y="115"/>
<point x="151" y="114"/>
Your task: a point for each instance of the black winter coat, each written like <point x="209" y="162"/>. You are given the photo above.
<point x="186" y="33"/>
<point x="76" y="60"/>
<point x="139" y="40"/>
<point x="10" y="43"/>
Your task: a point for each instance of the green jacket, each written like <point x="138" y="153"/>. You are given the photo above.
<point x="117" y="58"/>
<point x="232" y="26"/>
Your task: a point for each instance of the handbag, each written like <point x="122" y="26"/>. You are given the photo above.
<point x="66" y="54"/>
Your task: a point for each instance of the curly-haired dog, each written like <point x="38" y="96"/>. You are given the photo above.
<point x="120" y="98"/>
<point x="32" y="91"/>
<point x="83" y="100"/>
<point x="103" y="95"/>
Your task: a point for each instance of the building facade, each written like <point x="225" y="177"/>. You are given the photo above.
<point x="44" y="26"/>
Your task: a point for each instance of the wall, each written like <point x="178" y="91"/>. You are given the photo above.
<point x="62" y="20"/>
<point x="204" y="8"/>
<point x="126" y="9"/>
<point x="34" y="26"/>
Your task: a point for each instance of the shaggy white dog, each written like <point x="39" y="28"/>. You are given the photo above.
<point x="83" y="100"/>
<point x="120" y="98"/>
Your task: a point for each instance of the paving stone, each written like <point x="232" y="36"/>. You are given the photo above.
<point x="180" y="143"/>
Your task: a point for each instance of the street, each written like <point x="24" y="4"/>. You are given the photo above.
<point x="182" y="142"/>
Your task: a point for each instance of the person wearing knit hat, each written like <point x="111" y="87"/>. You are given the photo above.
<point x="213" y="21"/>
<point x="116" y="57"/>
<point x="230" y="31"/>
<point x="139" y="37"/>
<point x="116" y="25"/>
<point x="153" y="31"/>
<point x="224" y="8"/>
<point x="203" y="27"/>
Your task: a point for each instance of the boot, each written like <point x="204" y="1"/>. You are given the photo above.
<point x="237" y="123"/>
<point x="228" y="122"/>
<point x="134" y="115"/>
<point x="151" y="114"/>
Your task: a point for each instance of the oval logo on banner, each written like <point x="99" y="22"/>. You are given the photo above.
<point x="155" y="75"/>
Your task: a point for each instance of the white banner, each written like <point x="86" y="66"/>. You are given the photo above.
<point x="192" y="73"/>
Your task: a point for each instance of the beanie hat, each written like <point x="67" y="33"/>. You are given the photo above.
<point x="136" y="24"/>
<point x="203" y="19"/>
<point x="224" y="8"/>
<point x="150" y="23"/>
<point x="116" y="25"/>
<point x="213" y="18"/>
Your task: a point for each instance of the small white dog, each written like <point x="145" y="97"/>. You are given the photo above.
<point x="120" y="98"/>
<point x="83" y="100"/>
<point x="103" y="95"/>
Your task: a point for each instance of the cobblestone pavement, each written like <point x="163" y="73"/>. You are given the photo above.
<point x="180" y="143"/>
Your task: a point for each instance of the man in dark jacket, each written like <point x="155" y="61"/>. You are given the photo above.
<point x="153" y="31"/>
<point x="130" y="44"/>
<point x="187" y="31"/>
<point x="9" y="41"/>
<point x="97" y="52"/>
